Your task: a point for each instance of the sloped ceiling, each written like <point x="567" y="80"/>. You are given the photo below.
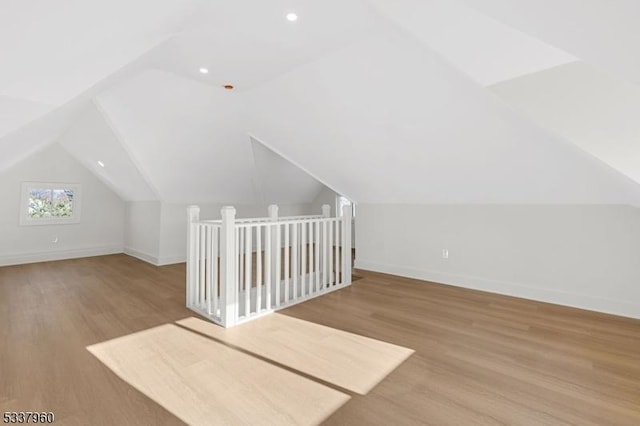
<point x="436" y="139"/>
<point x="247" y="42"/>
<point x="56" y="56"/>
<point x="280" y="181"/>
<point x="596" y="111"/>
<point x="382" y="100"/>
<point x="486" y="50"/>
<point x="185" y="136"/>
<point x="604" y="33"/>
<point x="190" y="142"/>
<point x="54" y="50"/>
<point x="91" y="139"/>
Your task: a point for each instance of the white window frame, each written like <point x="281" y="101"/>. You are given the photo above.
<point x="26" y="220"/>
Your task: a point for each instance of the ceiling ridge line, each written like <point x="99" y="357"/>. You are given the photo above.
<point x="122" y="141"/>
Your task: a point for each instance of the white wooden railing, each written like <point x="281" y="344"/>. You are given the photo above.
<point x="241" y="269"/>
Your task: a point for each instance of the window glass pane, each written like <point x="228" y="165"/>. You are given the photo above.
<point x="39" y="202"/>
<point x="62" y="203"/>
<point x="45" y="203"/>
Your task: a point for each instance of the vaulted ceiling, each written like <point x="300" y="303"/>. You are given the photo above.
<point x="400" y="101"/>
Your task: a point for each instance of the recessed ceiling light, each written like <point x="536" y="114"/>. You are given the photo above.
<point x="292" y="17"/>
<point x="204" y="71"/>
<point x="100" y="163"/>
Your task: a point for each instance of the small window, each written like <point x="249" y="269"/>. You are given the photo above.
<point x="50" y="203"/>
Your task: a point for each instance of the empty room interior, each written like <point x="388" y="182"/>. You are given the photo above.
<point x="301" y="212"/>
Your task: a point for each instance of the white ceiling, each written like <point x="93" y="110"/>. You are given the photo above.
<point x="441" y="139"/>
<point x="245" y="42"/>
<point x="16" y="112"/>
<point x="601" y="32"/>
<point x="56" y="56"/>
<point x="383" y="100"/>
<point x="597" y="112"/>
<point x="54" y="50"/>
<point x="91" y="139"/>
<point x="279" y="181"/>
<point x="189" y="141"/>
<point x="486" y="50"/>
<point x="184" y="135"/>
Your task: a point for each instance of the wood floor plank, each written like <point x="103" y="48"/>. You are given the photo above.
<point x="480" y="358"/>
<point x="346" y="360"/>
<point x="207" y="383"/>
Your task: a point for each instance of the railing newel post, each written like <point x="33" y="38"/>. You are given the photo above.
<point x="193" y="216"/>
<point x="228" y="286"/>
<point x="347" y="217"/>
<point x="275" y="255"/>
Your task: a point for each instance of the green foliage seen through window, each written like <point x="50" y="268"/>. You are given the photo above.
<point x="50" y="203"/>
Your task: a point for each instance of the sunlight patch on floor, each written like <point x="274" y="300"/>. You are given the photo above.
<point x="204" y="382"/>
<point x="347" y="360"/>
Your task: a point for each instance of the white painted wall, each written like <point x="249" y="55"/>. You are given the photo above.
<point x="101" y="227"/>
<point x="586" y="256"/>
<point x="142" y="230"/>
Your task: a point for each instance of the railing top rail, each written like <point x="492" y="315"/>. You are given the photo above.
<point x="300" y="217"/>
<point x="288" y="222"/>
<point x="252" y="219"/>
<point x="262" y="220"/>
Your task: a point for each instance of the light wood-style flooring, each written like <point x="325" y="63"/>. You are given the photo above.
<point x="479" y="358"/>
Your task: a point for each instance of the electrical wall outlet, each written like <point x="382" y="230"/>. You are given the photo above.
<point x="445" y="253"/>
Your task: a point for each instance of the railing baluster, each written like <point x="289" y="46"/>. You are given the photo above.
<point x="207" y="289"/>
<point x="216" y="279"/>
<point x="278" y="277"/>
<point x="310" y="260"/>
<point x="294" y="259"/>
<point x="338" y="251"/>
<point x="303" y="260"/>
<point x="239" y="267"/>
<point x="325" y="263"/>
<point x="258" y="268"/>
<point x="330" y="252"/>
<point x="267" y="267"/>
<point x="286" y="263"/>
<point x="201" y="263"/>
<point x="316" y="247"/>
<point x="247" y="268"/>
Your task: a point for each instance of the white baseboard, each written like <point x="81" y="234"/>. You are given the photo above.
<point x="582" y="301"/>
<point x="46" y="256"/>
<point x="156" y="261"/>
<point x="171" y="260"/>
<point x="141" y="255"/>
